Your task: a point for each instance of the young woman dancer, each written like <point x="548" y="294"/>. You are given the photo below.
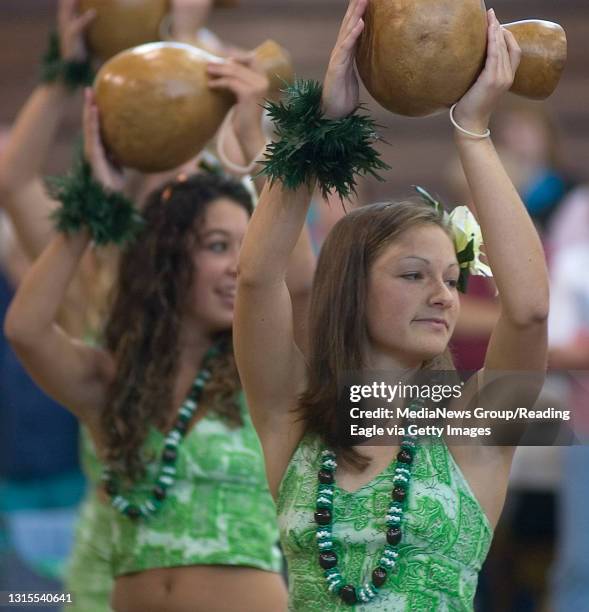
<point x="22" y="191"/>
<point x="384" y="298"/>
<point x="89" y="573"/>
<point x="191" y="523"/>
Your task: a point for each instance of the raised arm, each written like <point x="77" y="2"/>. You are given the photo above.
<point x="21" y="164"/>
<point x="21" y="190"/>
<point x="70" y="372"/>
<point x="512" y="245"/>
<point x="271" y="366"/>
<point x="240" y="143"/>
<point x="187" y="17"/>
<point x="241" y="139"/>
<point x="74" y="374"/>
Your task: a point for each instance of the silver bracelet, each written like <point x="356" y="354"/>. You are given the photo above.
<point x="225" y="161"/>
<point x="486" y="133"/>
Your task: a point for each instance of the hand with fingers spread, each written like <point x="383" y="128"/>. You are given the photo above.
<point x="103" y="171"/>
<point x="71" y="27"/>
<point x="474" y="109"/>
<point x="340" y="86"/>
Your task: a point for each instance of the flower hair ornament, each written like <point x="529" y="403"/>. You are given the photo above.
<point x="468" y="239"/>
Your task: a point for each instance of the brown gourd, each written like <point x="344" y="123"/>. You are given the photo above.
<point x="121" y="24"/>
<point x="156" y="109"/>
<point x="418" y="57"/>
<point x="276" y="62"/>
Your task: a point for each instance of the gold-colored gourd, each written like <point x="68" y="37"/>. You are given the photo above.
<point x="122" y="24"/>
<point x="418" y="57"/>
<point x="156" y="109"/>
<point x="276" y="62"/>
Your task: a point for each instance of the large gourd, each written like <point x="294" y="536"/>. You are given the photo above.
<point x="121" y="24"/>
<point x="418" y="57"/>
<point x="156" y="108"/>
<point x="276" y="62"/>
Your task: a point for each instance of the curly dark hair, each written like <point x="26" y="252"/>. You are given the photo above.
<point x="142" y="332"/>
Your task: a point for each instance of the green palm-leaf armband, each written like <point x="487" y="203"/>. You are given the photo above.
<point x="72" y="73"/>
<point x="109" y="216"/>
<point x="310" y="146"/>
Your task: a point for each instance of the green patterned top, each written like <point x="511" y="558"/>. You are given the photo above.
<point x="446" y="535"/>
<point x="219" y="510"/>
<point x="89" y="573"/>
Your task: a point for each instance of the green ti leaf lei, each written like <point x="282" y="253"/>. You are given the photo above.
<point x="74" y="74"/>
<point x="309" y="146"/>
<point x="109" y="216"/>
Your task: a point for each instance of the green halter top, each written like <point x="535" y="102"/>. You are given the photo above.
<point x="219" y="510"/>
<point x="89" y="572"/>
<point x="446" y="535"/>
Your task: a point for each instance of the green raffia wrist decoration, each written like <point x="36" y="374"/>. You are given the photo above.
<point x="73" y="74"/>
<point x="109" y="216"/>
<point x="311" y="146"/>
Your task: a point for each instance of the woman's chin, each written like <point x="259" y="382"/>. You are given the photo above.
<point x="431" y="350"/>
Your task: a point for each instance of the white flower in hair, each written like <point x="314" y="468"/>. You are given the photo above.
<point x="468" y="239"/>
<point x="465" y="230"/>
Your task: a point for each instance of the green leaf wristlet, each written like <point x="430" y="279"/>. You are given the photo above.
<point x="73" y="74"/>
<point x="333" y="151"/>
<point x="109" y="216"/>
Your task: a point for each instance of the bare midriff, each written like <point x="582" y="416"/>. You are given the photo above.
<point x="200" y="588"/>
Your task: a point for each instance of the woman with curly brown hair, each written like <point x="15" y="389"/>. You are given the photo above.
<point x="190" y="524"/>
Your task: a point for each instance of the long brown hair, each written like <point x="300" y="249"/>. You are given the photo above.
<point x="337" y="314"/>
<point x="155" y="277"/>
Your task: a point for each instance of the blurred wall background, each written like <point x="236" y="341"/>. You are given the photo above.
<point x="418" y="149"/>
